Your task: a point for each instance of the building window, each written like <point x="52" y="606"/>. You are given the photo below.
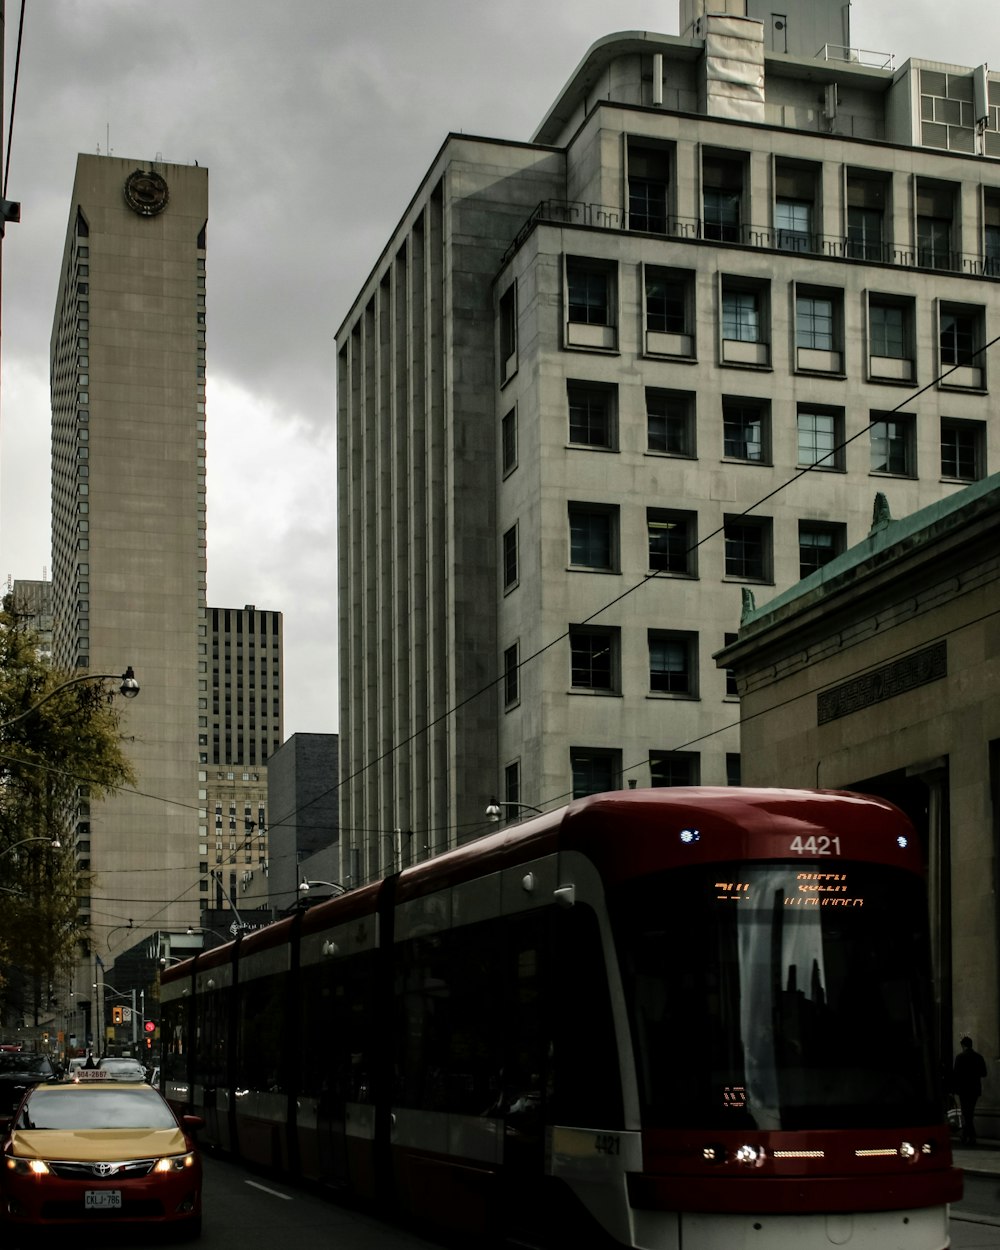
<point x="867" y="198"/>
<point x="674" y="768"/>
<point x="741" y="318"/>
<point x="745" y="322"/>
<point x="670" y="424"/>
<point x="511" y="671"/>
<point x="666" y="310"/>
<point x="734" y="771"/>
<point x="814" y="322"/>
<point x="819" y="329"/>
<point x="958" y="337"/>
<point x="888" y="330"/>
<point x="722" y="191"/>
<point x="961" y="336"/>
<point x="672" y="541"/>
<point x="648" y="189"/>
<point x="795" y="197"/>
<point x="592" y="415"/>
<point x="962" y="454"/>
<point x="512" y="782"/>
<point x="732" y="689"/>
<point x="748" y="548"/>
<point x="594" y="659"/>
<point x="595" y="770"/>
<point x="593" y="536"/>
<point x="673" y="663"/>
<point x="890" y="339"/>
<point x="510" y="572"/>
<point x="935" y="213"/>
<point x="819" y="543"/>
<point x="893" y="447"/>
<point x="508" y="333"/>
<point x="590" y="291"/>
<point x="669" y="308"/>
<point x="793" y="226"/>
<point x="991" y="232"/>
<point x="508" y="442"/>
<point x="820" y="437"/>
<point x="745" y="429"/>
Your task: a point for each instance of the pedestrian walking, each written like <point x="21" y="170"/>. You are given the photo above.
<point x="967" y="1082"/>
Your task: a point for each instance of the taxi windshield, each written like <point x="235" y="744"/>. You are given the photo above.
<point x="103" y="1108"/>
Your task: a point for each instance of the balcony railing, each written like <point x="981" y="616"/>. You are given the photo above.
<point x="857" y="56"/>
<point x="772" y="238"/>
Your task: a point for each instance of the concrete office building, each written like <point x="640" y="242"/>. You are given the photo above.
<point x="244" y="705"/>
<point x="879" y="673"/>
<point x="303" y="836"/>
<point x="128" y="522"/>
<point x="582" y="380"/>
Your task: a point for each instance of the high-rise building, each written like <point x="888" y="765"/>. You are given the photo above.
<point x="31" y="606"/>
<point x="601" y="386"/>
<point x="128" y="521"/>
<point x="242" y="702"/>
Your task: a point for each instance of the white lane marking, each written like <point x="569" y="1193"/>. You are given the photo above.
<point x="273" y="1192"/>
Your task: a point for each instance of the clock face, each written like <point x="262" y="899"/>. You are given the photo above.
<point x="146" y="192"/>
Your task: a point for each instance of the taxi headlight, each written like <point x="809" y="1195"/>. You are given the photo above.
<point x="27" y="1167"/>
<point x="174" y="1163"/>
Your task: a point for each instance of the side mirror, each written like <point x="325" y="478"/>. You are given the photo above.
<point x="192" y="1123"/>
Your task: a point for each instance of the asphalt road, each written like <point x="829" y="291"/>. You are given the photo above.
<point x="243" y="1209"/>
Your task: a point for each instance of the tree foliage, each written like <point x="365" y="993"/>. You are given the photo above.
<point x="59" y="742"/>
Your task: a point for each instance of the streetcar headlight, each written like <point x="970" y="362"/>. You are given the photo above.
<point x="908" y="1152"/>
<point x="750" y="1156"/>
<point x="713" y="1154"/>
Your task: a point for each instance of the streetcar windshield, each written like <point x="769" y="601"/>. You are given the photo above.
<point x="779" y="995"/>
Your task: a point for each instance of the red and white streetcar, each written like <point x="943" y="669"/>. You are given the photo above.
<point x="672" y="1018"/>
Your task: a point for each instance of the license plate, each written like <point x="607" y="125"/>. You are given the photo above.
<point x="102" y="1199"/>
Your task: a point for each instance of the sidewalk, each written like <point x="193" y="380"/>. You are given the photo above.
<point x="983" y="1159"/>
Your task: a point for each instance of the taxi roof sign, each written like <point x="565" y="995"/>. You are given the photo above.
<point x="91" y="1074"/>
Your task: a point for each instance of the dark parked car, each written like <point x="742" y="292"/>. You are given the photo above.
<point x="18" y="1073"/>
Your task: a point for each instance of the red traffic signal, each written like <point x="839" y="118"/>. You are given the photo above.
<point x="150" y="1026"/>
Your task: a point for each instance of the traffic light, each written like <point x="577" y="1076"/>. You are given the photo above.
<point x="116" y="1015"/>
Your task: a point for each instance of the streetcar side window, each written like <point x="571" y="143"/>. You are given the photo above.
<point x="260" y="1061"/>
<point x="212" y="1038"/>
<point x="337" y="1017"/>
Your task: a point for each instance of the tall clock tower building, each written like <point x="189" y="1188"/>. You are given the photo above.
<point x="129" y="524"/>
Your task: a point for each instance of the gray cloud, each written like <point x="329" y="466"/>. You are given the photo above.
<point x="316" y="119"/>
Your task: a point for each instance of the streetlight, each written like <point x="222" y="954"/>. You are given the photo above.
<point x="306" y="886"/>
<point x="204" y="929"/>
<point x="53" y="842"/>
<point x="493" y="809"/>
<point x="129" y="688"/>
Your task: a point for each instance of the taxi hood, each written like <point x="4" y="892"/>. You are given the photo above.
<point x="97" y="1145"/>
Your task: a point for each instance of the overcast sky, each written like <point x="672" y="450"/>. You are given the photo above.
<point x="316" y="119"/>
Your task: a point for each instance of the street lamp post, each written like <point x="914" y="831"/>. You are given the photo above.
<point x="306" y="886"/>
<point x="493" y="809"/>
<point x="53" y="842"/>
<point x="129" y="688"/>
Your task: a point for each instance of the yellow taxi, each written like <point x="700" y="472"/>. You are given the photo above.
<point x="102" y="1153"/>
